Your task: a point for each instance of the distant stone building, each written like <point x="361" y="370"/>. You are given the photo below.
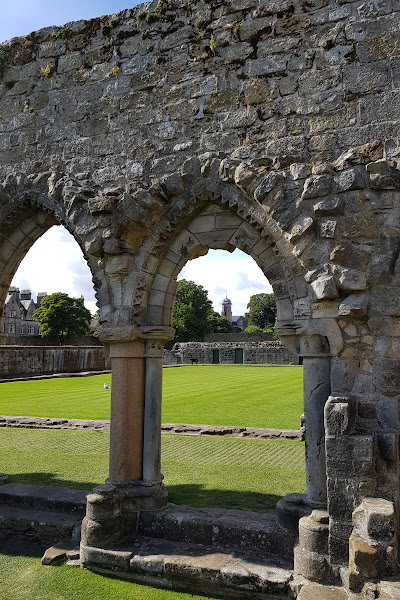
<point x="18" y="313"/>
<point x="239" y="323"/>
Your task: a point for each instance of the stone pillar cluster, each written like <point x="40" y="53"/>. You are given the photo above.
<point x="135" y="480"/>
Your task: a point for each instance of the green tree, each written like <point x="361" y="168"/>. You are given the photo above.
<point x="218" y="323"/>
<point x="262" y="310"/>
<point x="60" y="315"/>
<point x="192" y="309"/>
<point x="253" y="329"/>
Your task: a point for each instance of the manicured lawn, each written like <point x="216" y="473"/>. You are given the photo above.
<point x="227" y="472"/>
<point x="229" y="395"/>
<point x="210" y="395"/>
<point x="24" y="578"/>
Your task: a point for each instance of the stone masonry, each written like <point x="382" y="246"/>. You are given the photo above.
<point x="266" y="125"/>
<point x="250" y="353"/>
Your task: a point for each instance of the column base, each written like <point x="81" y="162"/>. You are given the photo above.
<point x="113" y="510"/>
<point x="311" y="555"/>
<point x="290" y="509"/>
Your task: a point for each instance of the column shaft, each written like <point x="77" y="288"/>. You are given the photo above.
<point x="127" y="412"/>
<point x="316" y="376"/>
<point x="152" y="419"/>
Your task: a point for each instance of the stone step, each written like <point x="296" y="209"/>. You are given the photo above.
<point x="193" y="568"/>
<point x="37" y="528"/>
<point x="314" y="591"/>
<point x="43" y="497"/>
<point x="389" y="590"/>
<point x="250" y="532"/>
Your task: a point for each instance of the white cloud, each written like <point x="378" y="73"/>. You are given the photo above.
<point x="55" y="263"/>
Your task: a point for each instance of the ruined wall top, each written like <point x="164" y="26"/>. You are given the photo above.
<point x="128" y="98"/>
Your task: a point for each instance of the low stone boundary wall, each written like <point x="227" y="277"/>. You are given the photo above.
<point x="174" y="428"/>
<point x="19" y="362"/>
<point x="248" y="353"/>
<point x="28" y="361"/>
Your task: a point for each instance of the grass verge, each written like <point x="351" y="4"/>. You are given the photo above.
<point x="24" y="578"/>
<point x="204" y="472"/>
<point x="210" y="395"/>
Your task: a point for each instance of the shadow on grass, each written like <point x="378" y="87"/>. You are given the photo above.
<point x="51" y="479"/>
<point x="189" y="494"/>
<point x="192" y="494"/>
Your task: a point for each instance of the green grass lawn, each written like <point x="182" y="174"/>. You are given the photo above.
<point x="24" y="578"/>
<point x="210" y="395"/>
<point x="199" y="471"/>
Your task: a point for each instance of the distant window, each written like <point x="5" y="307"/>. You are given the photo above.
<point x="22" y="331"/>
<point x="31" y="331"/>
<point x="13" y="313"/>
<point x="11" y="328"/>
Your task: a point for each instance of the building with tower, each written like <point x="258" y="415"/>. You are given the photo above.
<point x="238" y="323"/>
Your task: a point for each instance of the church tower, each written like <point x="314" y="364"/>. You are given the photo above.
<point x="227" y="309"/>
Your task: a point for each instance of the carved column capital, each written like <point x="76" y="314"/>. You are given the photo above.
<point x="154" y="338"/>
<point x="119" y="334"/>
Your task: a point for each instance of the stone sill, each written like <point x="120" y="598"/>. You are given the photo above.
<point x="173" y="428"/>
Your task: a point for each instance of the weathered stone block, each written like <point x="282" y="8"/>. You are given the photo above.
<point x="362" y="79"/>
<point x="317" y="186"/>
<point x="350" y="455"/>
<point x="324" y="288"/>
<point x="363" y="562"/>
<point x="340" y="415"/>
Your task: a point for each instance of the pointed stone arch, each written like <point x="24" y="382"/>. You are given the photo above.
<point x="30" y="206"/>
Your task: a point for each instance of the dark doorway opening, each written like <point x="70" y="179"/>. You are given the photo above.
<point x="215" y="357"/>
<point x="238" y="356"/>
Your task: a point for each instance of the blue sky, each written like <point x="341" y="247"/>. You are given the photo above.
<point x="19" y="17"/>
<point x="55" y="262"/>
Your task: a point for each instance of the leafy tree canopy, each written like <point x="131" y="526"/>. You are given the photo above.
<point x="60" y="315"/>
<point x="262" y="310"/>
<point x="192" y="310"/>
<point x="218" y="323"/>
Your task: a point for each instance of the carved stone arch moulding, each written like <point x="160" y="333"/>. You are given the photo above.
<point x="30" y="205"/>
<point x="204" y="208"/>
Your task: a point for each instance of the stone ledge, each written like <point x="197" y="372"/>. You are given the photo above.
<point x="190" y="567"/>
<point x="173" y="428"/>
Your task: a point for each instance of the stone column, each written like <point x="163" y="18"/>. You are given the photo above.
<point x="134" y="487"/>
<point x="316" y="388"/>
<point x="127" y="411"/>
<point x="155" y="338"/>
<point x="316" y="377"/>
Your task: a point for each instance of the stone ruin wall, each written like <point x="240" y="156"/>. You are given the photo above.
<point x="269" y="126"/>
<point x="292" y="81"/>
<point x="38" y="340"/>
<point x="31" y="361"/>
<point x="254" y="353"/>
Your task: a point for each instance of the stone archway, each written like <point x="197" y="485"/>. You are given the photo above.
<point x="204" y="206"/>
<point x="323" y="243"/>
